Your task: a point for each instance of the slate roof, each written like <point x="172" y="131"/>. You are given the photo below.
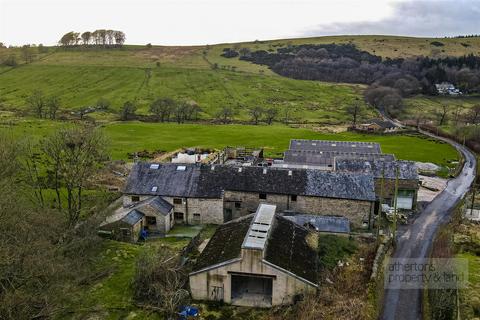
<point x="337" y="146"/>
<point x="225" y="244"/>
<point x="155" y="205"/>
<point x="315" y="157"/>
<point x="132" y="214"/>
<point x="132" y="217"/>
<point x="209" y="181"/>
<point x="321" y="223"/>
<point x="289" y="249"/>
<point x="407" y="169"/>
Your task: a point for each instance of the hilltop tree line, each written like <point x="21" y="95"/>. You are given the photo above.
<point x="100" y="37"/>
<point x="390" y="80"/>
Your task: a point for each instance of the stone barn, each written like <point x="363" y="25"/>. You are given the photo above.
<point x="260" y="260"/>
<point x="218" y="193"/>
<point x="154" y="215"/>
<point x="408" y="179"/>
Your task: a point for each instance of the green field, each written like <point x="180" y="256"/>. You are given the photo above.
<point x="136" y="136"/>
<point x="80" y="86"/>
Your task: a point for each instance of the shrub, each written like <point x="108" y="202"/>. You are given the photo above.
<point x="437" y="43"/>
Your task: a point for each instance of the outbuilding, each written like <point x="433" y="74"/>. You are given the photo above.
<point x="260" y="260"/>
<point x="153" y="215"/>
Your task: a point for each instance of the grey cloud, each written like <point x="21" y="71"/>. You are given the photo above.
<point x="415" y="18"/>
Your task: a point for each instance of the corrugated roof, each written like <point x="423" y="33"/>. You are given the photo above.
<point x="407" y="169"/>
<point x="322" y="223"/>
<point x="338" y="146"/>
<point x="209" y="181"/>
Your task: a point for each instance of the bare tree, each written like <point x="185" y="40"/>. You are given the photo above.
<point x="119" y="38"/>
<point x="355" y="111"/>
<point x="159" y="282"/>
<point x="53" y="104"/>
<point x="456" y="115"/>
<point x="27" y="54"/>
<point x="256" y="113"/>
<point x="225" y="114"/>
<point x="36" y="102"/>
<point x="474" y="114"/>
<point x="162" y="108"/>
<point x="68" y="39"/>
<point x="128" y="111"/>
<point x="110" y="36"/>
<point x="86" y="36"/>
<point x="442" y="115"/>
<point x="271" y="114"/>
<point x="73" y="155"/>
<point x="32" y="164"/>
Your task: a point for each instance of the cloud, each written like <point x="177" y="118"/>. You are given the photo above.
<point x="414" y="18"/>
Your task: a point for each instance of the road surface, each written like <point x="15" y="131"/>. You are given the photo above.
<point x="416" y="239"/>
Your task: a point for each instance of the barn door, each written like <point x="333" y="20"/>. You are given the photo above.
<point x="216" y="293"/>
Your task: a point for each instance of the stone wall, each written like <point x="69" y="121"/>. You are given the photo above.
<point x="236" y="204"/>
<point x="243" y="203"/>
<point x="198" y="210"/>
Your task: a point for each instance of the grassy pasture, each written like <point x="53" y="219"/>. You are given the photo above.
<point x="82" y="76"/>
<point x="81" y="85"/>
<point x="135" y="136"/>
<point x="127" y="137"/>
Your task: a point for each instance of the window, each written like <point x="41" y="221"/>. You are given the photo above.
<point x="125" y="232"/>
<point x="262" y="196"/>
<point x="293" y="197"/>
<point x="196" y="216"/>
<point x="135" y="198"/>
<point x="177" y="201"/>
<point x="238" y="205"/>
<point x="151" y="220"/>
<point x="154" y="189"/>
<point x="154" y="166"/>
<point x="178" y="215"/>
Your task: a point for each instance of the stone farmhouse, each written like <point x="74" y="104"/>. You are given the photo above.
<point x="408" y="179"/>
<point x="258" y="260"/>
<point x="219" y="193"/>
<point x="354" y="158"/>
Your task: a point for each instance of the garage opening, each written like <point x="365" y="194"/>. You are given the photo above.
<point x="252" y="290"/>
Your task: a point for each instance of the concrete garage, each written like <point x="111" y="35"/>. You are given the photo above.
<point x="260" y="260"/>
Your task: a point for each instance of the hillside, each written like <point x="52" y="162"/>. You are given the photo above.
<point x="81" y="76"/>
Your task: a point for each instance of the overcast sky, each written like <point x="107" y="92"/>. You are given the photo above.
<point x="188" y="22"/>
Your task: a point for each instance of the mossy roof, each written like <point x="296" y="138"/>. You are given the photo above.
<point x="225" y="244"/>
